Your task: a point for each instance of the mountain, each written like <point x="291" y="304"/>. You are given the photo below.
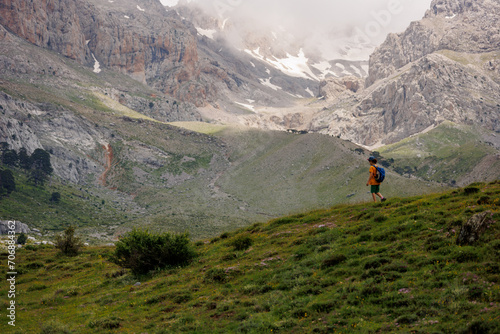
<point x="444" y="67"/>
<point x="117" y="98"/>
<point x="126" y="154"/>
<point x="365" y="268"/>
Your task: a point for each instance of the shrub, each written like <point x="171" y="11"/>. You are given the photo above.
<point x="484" y="200"/>
<point x="21" y="239"/>
<point x="471" y="190"/>
<point x="143" y="252"/>
<point x="68" y="243"/>
<point x="55" y="197"/>
<point x="242" y="243"/>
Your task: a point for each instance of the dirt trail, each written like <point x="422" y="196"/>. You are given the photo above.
<point x="108" y="156"/>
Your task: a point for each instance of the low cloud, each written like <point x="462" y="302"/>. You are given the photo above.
<point x="321" y="22"/>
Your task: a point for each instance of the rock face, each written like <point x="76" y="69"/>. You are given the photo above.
<point x="444" y="67"/>
<point x="468" y="26"/>
<point x="136" y="37"/>
<point x="333" y="88"/>
<point x="51" y="24"/>
<point x="5" y="227"/>
<point x="472" y="230"/>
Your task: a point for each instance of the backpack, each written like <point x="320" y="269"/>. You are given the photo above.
<point x="380" y="174"/>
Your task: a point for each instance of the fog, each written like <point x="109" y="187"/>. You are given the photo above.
<point x="323" y="22"/>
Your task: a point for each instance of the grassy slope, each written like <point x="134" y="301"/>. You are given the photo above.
<point x="80" y="206"/>
<point x="445" y="154"/>
<point x="361" y="268"/>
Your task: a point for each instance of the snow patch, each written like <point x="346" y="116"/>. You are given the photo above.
<point x="224" y="23"/>
<point x="250" y="101"/>
<point x="295" y="66"/>
<point x="97" y="66"/>
<point x="251" y="63"/>
<point x="451" y="17"/>
<point x="87" y="42"/>
<point x="325" y="68"/>
<point x="125" y="16"/>
<point x="248" y="106"/>
<point x="342" y="67"/>
<point x="267" y="82"/>
<point x="206" y="32"/>
<point x="310" y="91"/>
<point x="139" y="7"/>
<point x="357" y="70"/>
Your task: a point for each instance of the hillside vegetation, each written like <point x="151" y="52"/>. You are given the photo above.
<point x="363" y="268"/>
<point x="450" y="153"/>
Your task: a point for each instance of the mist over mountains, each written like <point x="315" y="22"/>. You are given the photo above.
<point x="333" y="29"/>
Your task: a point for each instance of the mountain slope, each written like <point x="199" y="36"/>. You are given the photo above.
<point x="450" y="153"/>
<point x="111" y="135"/>
<point x="361" y="268"/>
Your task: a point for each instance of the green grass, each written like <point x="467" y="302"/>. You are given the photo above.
<point x="79" y="206"/>
<point x="448" y="153"/>
<point x="362" y="268"/>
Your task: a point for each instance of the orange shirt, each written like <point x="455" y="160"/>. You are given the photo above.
<point x="373" y="174"/>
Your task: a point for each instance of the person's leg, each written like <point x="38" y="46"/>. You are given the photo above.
<point x="374" y="197"/>
<point x="382" y="198"/>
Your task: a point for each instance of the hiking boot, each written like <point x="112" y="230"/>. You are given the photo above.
<point x="383" y="199"/>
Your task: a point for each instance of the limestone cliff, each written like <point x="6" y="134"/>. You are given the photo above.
<point x="136" y="37"/>
<point x="444" y="67"/>
<point x="469" y="26"/>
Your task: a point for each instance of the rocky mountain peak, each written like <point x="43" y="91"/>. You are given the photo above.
<point x="458" y="25"/>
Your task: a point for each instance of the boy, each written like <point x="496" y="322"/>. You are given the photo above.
<point x="375" y="186"/>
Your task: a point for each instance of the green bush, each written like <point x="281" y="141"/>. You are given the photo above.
<point x="471" y="190"/>
<point x="68" y="243"/>
<point x="21" y="239"/>
<point x="242" y="243"/>
<point x="143" y="252"/>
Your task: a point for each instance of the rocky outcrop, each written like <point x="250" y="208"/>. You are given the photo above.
<point x="442" y="68"/>
<point x="333" y="88"/>
<point x="136" y="37"/>
<point x="418" y="96"/>
<point x="474" y="228"/>
<point x="469" y="26"/>
<point x="51" y="24"/>
<point x="6" y="226"/>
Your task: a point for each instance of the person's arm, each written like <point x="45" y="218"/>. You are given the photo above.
<point x="369" y="178"/>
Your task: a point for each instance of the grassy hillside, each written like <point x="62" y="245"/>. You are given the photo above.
<point x="450" y="153"/>
<point x="363" y="268"/>
<point x="92" y="210"/>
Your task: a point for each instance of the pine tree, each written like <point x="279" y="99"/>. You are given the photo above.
<point x="10" y="158"/>
<point x="7" y="180"/>
<point x="24" y="159"/>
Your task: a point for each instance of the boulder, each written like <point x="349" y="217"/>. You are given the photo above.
<point x="19" y="227"/>
<point x="472" y="230"/>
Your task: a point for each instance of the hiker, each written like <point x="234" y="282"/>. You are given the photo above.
<point x="372" y="181"/>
